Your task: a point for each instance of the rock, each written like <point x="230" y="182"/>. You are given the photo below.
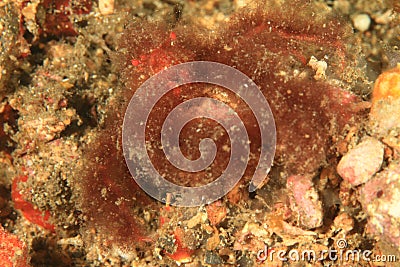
<point x="216" y="212"/>
<point x="380" y="198"/>
<point x="344" y="221"/>
<point x="361" y="22"/>
<point x="212" y="259"/>
<point x="361" y="162"/>
<point x="384" y="18"/>
<point x="304" y="201"/>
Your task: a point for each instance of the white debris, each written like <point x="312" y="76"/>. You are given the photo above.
<point x="361" y="22"/>
<point x="319" y="66"/>
<point x="106" y="7"/>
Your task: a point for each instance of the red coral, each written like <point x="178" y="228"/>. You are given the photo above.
<point x="28" y="210"/>
<point x="182" y="254"/>
<point x="13" y="252"/>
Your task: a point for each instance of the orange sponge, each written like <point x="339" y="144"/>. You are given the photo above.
<point x="387" y="85"/>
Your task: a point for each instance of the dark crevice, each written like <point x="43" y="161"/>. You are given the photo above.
<point x="37" y="55"/>
<point x="85" y="107"/>
<point x="9" y="117"/>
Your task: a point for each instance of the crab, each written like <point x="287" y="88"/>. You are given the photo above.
<point x="273" y="46"/>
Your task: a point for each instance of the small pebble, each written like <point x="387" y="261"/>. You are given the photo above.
<point x="212" y="259"/>
<point x="106" y="7"/>
<point x="304" y="201"/>
<point x="361" y="162"/>
<point x="344" y="221"/>
<point x="361" y="22"/>
<point x="384" y="18"/>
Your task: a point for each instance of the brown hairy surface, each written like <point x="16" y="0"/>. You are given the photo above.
<point x="272" y="45"/>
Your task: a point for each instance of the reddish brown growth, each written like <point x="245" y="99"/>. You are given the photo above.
<point x="111" y="197"/>
<point x="272" y="46"/>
